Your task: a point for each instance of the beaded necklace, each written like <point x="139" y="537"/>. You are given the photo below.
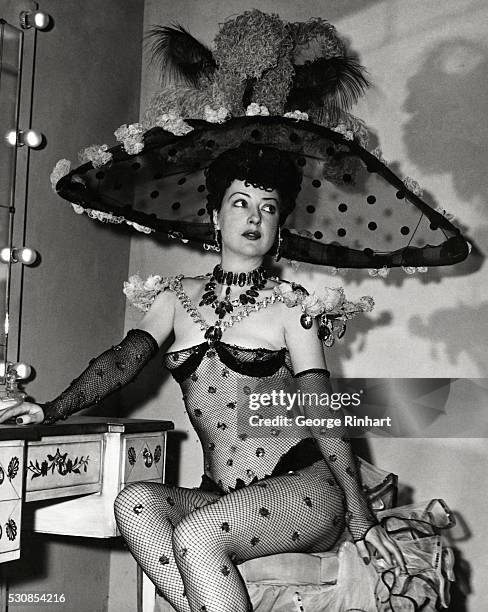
<point x="213" y="332"/>
<point x="255" y="280"/>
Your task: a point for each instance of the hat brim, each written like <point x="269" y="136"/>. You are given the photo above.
<point x="352" y="212"/>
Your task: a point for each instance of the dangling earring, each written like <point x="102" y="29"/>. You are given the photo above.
<point x="215" y="246"/>
<point x="277" y="255"/>
<point x="216" y="239"/>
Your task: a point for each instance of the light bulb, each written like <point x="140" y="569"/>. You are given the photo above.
<point x="22" y="370"/>
<point x="5" y="255"/>
<point x="37" y="19"/>
<point x="11" y="137"/>
<point x="25" y="255"/>
<point x="32" y="139"/>
<point x="41" y="20"/>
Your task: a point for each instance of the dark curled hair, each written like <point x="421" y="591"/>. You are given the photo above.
<point x="263" y="167"/>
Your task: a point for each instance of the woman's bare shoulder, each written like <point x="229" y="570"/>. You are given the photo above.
<point x="192" y="284"/>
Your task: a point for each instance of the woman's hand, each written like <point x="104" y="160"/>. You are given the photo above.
<point x="384" y="544"/>
<point x="24" y="413"/>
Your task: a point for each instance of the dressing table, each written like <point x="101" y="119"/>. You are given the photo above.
<point x="63" y="478"/>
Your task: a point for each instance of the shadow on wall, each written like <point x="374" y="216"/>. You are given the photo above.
<point x="447" y="131"/>
<point x="449" y="329"/>
<point x="356" y="334"/>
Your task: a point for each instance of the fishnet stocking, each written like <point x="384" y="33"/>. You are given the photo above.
<point x="298" y="511"/>
<point x="146" y="513"/>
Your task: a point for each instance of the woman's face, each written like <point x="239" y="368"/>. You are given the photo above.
<point x="248" y="219"/>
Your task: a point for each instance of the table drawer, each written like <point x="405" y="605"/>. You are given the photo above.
<point x="143" y="457"/>
<point x="10" y="513"/>
<point x="61" y="466"/>
<point x="11" y="470"/>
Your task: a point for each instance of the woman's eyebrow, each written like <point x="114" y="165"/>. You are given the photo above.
<point x="248" y="196"/>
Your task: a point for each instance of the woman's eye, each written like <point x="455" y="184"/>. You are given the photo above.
<point x="240" y="203"/>
<point x="270" y="208"/>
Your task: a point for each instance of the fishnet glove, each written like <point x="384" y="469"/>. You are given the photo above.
<point x="106" y="373"/>
<point x="336" y="449"/>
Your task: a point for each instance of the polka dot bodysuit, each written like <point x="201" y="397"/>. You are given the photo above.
<point x="263" y="492"/>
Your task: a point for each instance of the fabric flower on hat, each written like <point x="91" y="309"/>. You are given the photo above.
<point x="414" y="187"/>
<point x="104" y="216"/>
<point x="256" y="109"/>
<point x="378" y="153"/>
<point x="172" y="122"/>
<point x="140" y="228"/>
<point x="131" y="137"/>
<point x="298" y="115"/>
<point x="98" y="155"/>
<point x="412" y="270"/>
<point x="79" y="210"/>
<point x="342" y="128"/>
<point x="381" y="272"/>
<point x="449" y="216"/>
<point x="219" y="115"/>
<point x="62" y="168"/>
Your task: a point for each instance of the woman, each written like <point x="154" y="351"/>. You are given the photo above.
<point x="261" y="493"/>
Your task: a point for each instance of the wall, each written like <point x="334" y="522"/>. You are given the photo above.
<point x="86" y="85"/>
<point x="428" y="65"/>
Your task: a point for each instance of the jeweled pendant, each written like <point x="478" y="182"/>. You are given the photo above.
<point x="213" y="334"/>
<point x="306" y="321"/>
<point x="323" y="332"/>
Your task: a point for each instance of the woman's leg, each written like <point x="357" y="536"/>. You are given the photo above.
<point x="146" y="514"/>
<point x="300" y="511"/>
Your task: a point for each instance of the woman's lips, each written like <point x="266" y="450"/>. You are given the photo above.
<point x="252" y="235"/>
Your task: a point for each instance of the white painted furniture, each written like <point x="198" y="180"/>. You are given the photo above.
<point x="92" y="458"/>
<point x="89" y="460"/>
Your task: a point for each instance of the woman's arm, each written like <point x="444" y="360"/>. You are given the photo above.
<point x="111" y="370"/>
<point x="308" y="362"/>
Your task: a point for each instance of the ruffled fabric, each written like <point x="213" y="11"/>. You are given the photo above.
<point x="142" y="293"/>
<point x="341" y="582"/>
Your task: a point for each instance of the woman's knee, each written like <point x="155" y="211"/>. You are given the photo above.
<point x="134" y="494"/>
<point x="192" y="528"/>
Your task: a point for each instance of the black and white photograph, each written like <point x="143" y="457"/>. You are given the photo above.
<point x="244" y="306"/>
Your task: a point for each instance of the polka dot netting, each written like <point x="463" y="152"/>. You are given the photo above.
<point x="190" y="541"/>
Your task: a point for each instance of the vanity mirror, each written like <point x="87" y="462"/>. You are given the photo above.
<point x="19" y="22"/>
